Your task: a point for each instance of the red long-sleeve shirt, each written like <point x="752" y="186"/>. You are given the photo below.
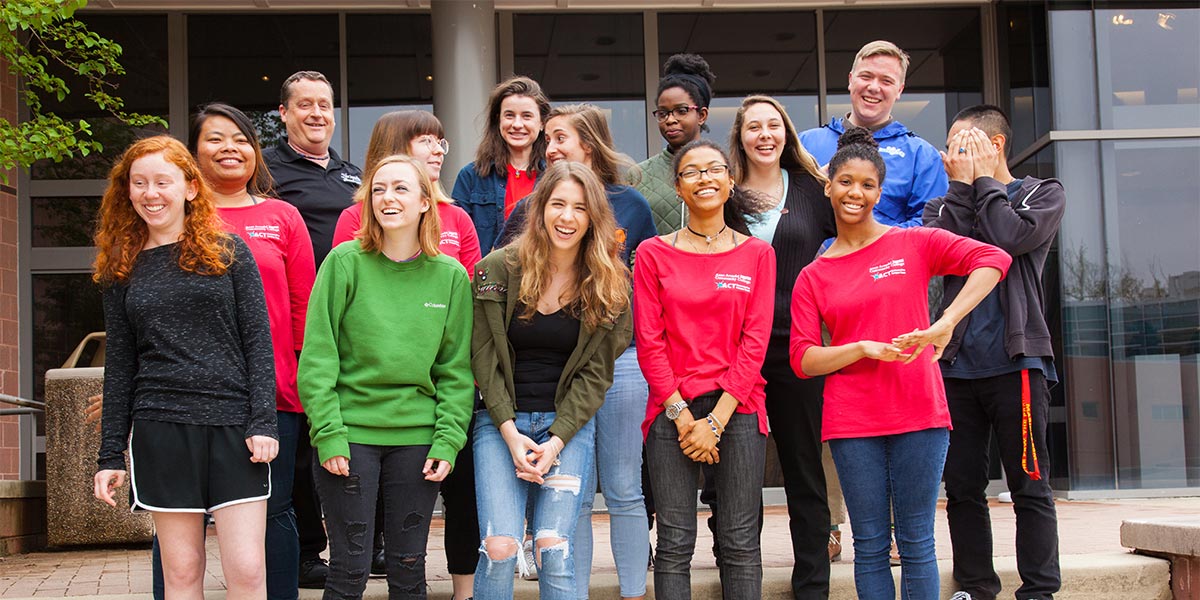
<point x="458" y="239"/>
<point x="702" y="322"/>
<point x="877" y="293"/>
<point x="279" y="241"/>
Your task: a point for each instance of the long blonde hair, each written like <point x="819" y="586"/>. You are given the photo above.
<point x="795" y="158"/>
<point x="602" y="279"/>
<point x="429" y="227"/>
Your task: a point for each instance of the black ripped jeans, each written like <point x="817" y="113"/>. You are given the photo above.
<point x="393" y="475"/>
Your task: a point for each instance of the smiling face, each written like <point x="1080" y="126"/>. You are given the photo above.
<point x="678" y="131"/>
<point x="396" y="198"/>
<point x="763" y="134"/>
<point x="520" y="121"/>
<point x="853" y="191"/>
<point x="707" y="193"/>
<point x="159" y="192"/>
<point x="308" y="115"/>
<point x="566" y="216"/>
<point x="225" y="154"/>
<point x="875" y="84"/>
<point x="563" y="142"/>
<point x="427" y="149"/>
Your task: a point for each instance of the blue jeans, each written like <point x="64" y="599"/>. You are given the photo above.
<point x="899" y="473"/>
<point x="738" y="480"/>
<point x="283" y="542"/>
<point x="502" y="500"/>
<point x="619" y="468"/>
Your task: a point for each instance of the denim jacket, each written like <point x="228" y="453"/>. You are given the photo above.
<point x="483" y="199"/>
<point x="589" y="370"/>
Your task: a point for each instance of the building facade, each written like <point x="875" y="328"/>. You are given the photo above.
<point x="1103" y="95"/>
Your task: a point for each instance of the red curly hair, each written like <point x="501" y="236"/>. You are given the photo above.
<point x="121" y="234"/>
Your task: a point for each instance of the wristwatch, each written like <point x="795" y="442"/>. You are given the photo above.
<point x="674" y="410"/>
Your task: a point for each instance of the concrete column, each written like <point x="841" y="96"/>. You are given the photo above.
<point x="464" y="72"/>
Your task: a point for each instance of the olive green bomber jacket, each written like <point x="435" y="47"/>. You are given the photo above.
<point x="589" y="370"/>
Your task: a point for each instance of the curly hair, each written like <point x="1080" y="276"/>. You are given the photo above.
<point x="857" y="143"/>
<point x="690" y="73"/>
<point x="601" y="277"/>
<point x="741" y="206"/>
<point x="121" y="234"/>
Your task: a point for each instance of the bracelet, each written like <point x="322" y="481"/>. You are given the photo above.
<point x="720" y="425"/>
<point x="712" y="424"/>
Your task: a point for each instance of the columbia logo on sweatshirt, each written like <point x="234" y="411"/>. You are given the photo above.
<point x="434" y="305"/>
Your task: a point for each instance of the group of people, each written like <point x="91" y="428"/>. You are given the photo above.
<point x="566" y="321"/>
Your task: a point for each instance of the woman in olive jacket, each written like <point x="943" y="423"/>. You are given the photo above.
<point x="552" y="314"/>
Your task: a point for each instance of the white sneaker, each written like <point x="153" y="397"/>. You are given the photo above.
<point x="960" y="596"/>
<point x="1004" y="497"/>
<point x="526" y="566"/>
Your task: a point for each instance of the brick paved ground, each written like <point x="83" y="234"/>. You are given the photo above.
<point x="1084" y="528"/>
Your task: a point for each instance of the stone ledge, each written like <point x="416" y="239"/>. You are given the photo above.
<point x="1176" y="536"/>
<point x="22" y="489"/>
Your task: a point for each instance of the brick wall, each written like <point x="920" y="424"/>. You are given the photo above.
<point x="9" y="356"/>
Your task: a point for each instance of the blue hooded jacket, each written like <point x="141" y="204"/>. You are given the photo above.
<point x="914" y="176"/>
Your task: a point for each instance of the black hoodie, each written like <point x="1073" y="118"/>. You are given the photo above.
<point x="1024" y="227"/>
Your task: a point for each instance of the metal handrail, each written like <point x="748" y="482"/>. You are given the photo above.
<point x="22" y="402"/>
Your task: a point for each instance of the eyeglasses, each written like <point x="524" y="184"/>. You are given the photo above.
<point x="694" y="174"/>
<point x="432" y="142"/>
<point x="679" y="112"/>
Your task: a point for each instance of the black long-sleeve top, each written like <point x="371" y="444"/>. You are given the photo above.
<point x="186" y="348"/>
<point x="807" y="221"/>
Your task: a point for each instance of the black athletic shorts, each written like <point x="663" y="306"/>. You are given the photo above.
<point x="193" y="468"/>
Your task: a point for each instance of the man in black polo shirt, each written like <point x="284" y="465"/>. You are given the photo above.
<point x="313" y="178"/>
<point x="307" y="172"/>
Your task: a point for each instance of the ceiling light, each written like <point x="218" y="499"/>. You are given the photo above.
<point x="1164" y="20"/>
<point x="1121" y="19"/>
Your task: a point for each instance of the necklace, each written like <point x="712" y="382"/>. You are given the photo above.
<point x="307" y="155"/>
<point x="708" y="239"/>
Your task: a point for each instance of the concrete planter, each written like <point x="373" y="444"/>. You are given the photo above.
<point x="75" y="516"/>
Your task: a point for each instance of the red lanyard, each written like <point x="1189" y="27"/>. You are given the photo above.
<point x="1027" y="445"/>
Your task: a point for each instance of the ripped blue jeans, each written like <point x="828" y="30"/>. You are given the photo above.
<point x="501" y="499"/>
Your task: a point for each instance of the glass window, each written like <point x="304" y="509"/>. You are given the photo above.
<point x="1131" y="311"/>
<point x="595" y="58"/>
<point x="249" y="73"/>
<point x="143" y="40"/>
<point x="945" y="71"/>
<point x="64" y="222"/>
<point x="389" y="67"/>
<point x="780" y="46"/>
<point x="1025" y="71"/>
<point x="1148" y="67"/>
<point x="68" y="308"/>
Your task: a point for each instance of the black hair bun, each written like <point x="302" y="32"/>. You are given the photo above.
<point x="689" y="64"/>
<point x="857" y="136"/>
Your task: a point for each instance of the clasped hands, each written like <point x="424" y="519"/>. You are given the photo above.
<point x="531" y="459"/>
<point x="907" y="347"/>
<point x="696" y="438"/>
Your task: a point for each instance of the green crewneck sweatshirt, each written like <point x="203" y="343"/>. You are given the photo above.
<point x="387" y="354"/>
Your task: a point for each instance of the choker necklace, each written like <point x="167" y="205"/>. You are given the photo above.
<point x="708" y="239"/>
<point x="307" y="155"/>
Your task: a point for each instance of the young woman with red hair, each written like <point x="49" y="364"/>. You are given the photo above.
<point x="189" y="383"/>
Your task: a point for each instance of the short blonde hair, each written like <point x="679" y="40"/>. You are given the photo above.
<point x="883" y="48"/>
<point x="370" y="234"/>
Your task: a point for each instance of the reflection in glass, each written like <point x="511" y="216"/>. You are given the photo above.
<point x="68" y="308"/>
<point x="143" y="39"/>
<point x="1025" y="71"/>
<point x="64" y="222"/>
<point x="1148" y="65"/>
<point x="249" y="74"/>
<point x="594" y="58"/>
<point x="1131" y="310"/>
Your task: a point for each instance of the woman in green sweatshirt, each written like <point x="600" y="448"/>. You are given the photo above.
<point x="553" y="314"/>
<point x="385" y="378"/>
